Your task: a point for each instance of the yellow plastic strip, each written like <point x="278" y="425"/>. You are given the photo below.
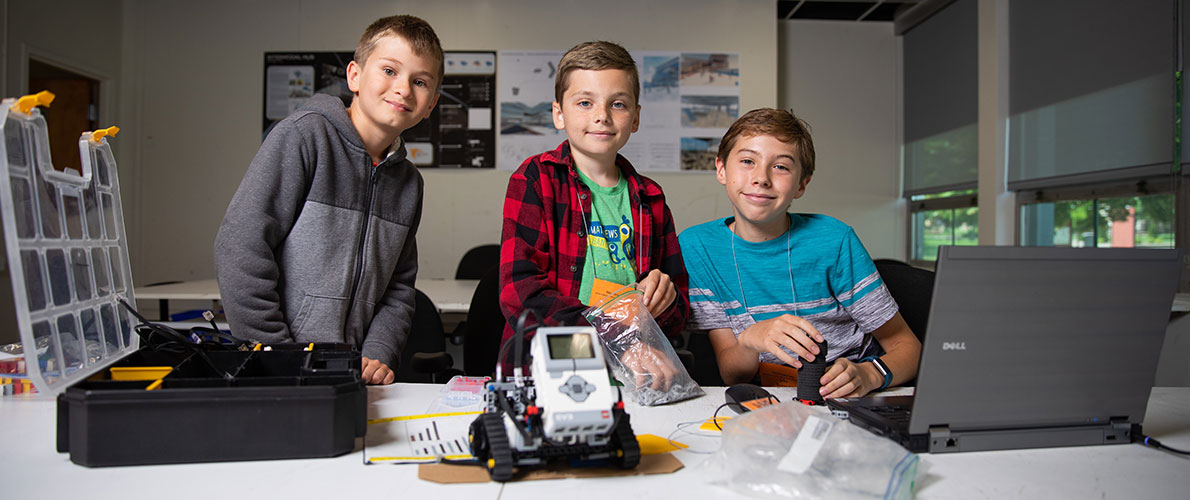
<point x="417" y="417"/>
<point x="258" y="346"/>
<point x="155" y="385"/>
<point x="709" y="425"/>
<point x="422" y="458"/>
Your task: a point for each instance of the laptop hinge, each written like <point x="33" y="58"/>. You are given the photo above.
<point x="941" y="438"/>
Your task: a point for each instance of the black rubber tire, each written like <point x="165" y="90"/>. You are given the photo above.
<point x="499" y="462"/>
<point x="624" y="440"/>
<point x="478" y="440"/>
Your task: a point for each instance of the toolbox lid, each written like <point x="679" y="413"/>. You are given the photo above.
<point x="67" y="253"/>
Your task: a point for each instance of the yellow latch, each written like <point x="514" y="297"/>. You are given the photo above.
<point x="104" y="132"/>
<point x="27" y="103"/>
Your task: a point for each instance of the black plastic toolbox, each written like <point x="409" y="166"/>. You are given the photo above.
<point x="291" y="401"/>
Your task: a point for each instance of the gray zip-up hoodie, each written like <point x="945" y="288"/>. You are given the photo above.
<point x="317" y="244"/>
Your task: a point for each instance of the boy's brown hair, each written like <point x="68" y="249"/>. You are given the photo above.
<point x="414" y="30"/>
<point x="778" y="123"/>
<point x="596" y="56"/>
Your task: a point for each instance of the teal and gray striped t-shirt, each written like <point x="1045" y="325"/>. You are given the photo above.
<point x="834" y="283"/>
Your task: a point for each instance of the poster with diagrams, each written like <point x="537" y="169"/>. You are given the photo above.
<point x="688" y="99"/>
<point x="460" y="132"/>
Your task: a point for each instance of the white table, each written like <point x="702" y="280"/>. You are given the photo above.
<point x="32" y="469"/>
<point x="448" y="295"/>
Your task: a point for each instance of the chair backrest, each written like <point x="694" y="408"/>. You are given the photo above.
<point x="426" y="335"/>
<point x="485" y="327"/>
<point x="477" y="261"/>
<point x="912" y="288"/>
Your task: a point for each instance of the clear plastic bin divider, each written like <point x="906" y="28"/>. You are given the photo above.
<point x="91" y="337"/>
<point x="101" y="271"/>
<point x="80" y="264"/>
<point x="109" y="216"/>
<point x="118" y="269"/>
<point x="73" y="348"/>
<point x="49" y="352"/>
<point x="35" y="289"/>
<point x="47" y="202"/>
<point x="74" y="215"/>
<point x="91" y="210"/>
<point x="99" y="166"/>
<point x="14" y="144"/>
<point x="22" y="196"/>
<point x="111" y="333"/>
<point x="59" y="276"/>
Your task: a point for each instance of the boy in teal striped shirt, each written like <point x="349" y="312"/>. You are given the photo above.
<point x="767" y="284"/>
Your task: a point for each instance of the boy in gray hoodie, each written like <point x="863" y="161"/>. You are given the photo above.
<point x="318" y="242"/>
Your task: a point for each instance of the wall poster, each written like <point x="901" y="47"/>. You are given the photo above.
<point x="460" y="133"/>
<point x="688" y="99"/>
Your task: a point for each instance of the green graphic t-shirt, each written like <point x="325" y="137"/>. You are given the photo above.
<point x="611" y="240"/>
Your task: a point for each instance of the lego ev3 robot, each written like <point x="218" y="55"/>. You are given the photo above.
<point x="567" y="410"/>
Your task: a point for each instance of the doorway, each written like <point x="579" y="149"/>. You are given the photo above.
<point x="75" y="109"/>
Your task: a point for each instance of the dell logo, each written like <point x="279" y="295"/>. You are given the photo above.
<point x="954" y="346"/>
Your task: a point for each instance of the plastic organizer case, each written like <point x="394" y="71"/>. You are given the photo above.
<point x="120" y="400"/>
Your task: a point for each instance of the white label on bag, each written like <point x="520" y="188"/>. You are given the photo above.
<point x="806" y="446"/>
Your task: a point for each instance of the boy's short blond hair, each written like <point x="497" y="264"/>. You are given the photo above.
<point x="778" y="123"/>
<point x="414" y="30"/>
<point x="596" y="56"/>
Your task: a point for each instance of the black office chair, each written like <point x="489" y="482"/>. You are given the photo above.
<point x="476" y="262"/>
<point x="485" y="327"/>
<point x="700" y="361"/>
<point x="424" y="359"/>
<point x="912" y="288"/>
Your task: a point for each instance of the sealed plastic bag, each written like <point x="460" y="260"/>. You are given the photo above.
<point x="640" y="356"/>
<point x="792" y="450"/>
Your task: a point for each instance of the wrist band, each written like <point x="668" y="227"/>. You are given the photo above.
<point x="882" y="369"/>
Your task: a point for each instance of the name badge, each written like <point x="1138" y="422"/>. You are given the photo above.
<point x="774" y="375"/>
<point x="601" y="290"/>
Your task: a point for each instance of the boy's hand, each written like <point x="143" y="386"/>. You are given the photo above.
<point x="659" y="291"/>
<point x="646" y="362"/>
<point x="376" y="372"/>
<point x="792" y="332"/>
<point x="845" y="379"/>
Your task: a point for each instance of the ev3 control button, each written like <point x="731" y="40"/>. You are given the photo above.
<point x="577" y="388"/>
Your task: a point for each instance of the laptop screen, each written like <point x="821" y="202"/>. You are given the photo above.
<point x="1042" y="336"/>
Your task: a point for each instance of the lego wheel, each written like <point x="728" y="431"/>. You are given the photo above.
<point x="499" y="460"/>
<point x="478" y="438"/>
<point x="624" y="441"/>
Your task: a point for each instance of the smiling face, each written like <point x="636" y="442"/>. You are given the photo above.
<point x="598" y="113"/>
<point x="394" y="89"/>
<point x="763" y="176"/>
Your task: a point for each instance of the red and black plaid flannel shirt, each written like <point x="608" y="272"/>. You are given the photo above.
<point x="544" y="241"/>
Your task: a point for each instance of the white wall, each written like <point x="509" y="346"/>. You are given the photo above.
<point x="844" y="78"/>
<point x="199" y="72"/>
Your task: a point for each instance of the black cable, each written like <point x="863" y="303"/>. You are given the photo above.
<point x="1153" y="443"/>
<point x="715" y="417"/>
<point x="175" y="342"/>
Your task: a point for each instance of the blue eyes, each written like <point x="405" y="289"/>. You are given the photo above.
<point x="615" y="105"/>
<point x="749" y="162"/>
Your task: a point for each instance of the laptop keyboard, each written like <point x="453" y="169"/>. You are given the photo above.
<point x="896" y="414"/>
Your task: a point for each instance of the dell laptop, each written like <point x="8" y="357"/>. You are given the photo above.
<point x="1031" y="347"/>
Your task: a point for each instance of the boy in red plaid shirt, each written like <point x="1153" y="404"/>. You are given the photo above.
<point x="580" y="222"/>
